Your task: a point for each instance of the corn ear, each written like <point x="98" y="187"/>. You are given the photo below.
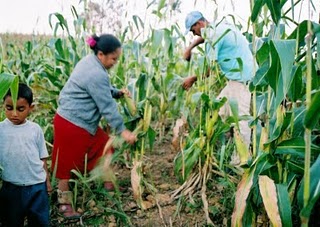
<point x="130" y="104"/>
<point x="242" y="148"/>
<point x="280" y="115"/>
<point x="139" y="127"/>
<point x="211" y="120"/>
<point x="163" y="105"/>
<point x="147" y="117"/>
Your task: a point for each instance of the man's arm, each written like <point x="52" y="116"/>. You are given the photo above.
<point x="196" y="42"/>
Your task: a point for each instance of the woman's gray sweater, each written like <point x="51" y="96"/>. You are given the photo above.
<point x="88" y="95"/>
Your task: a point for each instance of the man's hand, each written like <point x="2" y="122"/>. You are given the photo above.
<point x="188" y="82"/>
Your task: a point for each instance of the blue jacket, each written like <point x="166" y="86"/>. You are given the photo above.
<point x="230" y="50"/>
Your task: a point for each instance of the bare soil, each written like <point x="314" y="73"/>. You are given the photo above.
<point x="159" y="173"/>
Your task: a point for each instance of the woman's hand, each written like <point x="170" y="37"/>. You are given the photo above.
<point x="188" y="82"/>
<point x="124" y="91"/>
<point x="128" y="136"/>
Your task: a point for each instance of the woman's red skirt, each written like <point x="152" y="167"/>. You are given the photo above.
<point x="70" y="146"/>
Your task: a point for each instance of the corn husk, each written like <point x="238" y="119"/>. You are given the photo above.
<point x="212" y="119"/>
<point x="130" y="105"/>
<point x="147" y="117"/>
<point x="242" y="148"/>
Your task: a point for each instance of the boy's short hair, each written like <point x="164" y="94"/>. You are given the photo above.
<point x="24" y="91"/>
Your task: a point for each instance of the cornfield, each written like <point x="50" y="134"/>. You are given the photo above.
<point x="278" y="181"/>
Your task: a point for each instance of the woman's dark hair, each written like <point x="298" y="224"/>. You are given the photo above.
<point x="23" y="92"/>
<point x="106" y="43"/>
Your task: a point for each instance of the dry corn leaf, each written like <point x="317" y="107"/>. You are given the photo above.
<point x="145" y="205"/>
<point x="136" y="180"/>
<point x="242" y="194"/>
<point x="268" y="192"/>
<point x="177" y="131"/>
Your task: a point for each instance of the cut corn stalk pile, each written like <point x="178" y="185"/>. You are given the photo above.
<point x="194" y="172"/>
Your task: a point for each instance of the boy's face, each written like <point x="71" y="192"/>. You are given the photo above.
<point x="23" y="109"/>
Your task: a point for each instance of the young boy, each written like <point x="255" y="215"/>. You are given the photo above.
<point x="23" y="154"/>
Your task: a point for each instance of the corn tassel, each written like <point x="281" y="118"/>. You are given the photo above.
<point x="130" y="104"/>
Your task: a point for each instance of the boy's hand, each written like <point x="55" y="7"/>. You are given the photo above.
<point x="49" y="187"/>
<point x="188" y="82"/>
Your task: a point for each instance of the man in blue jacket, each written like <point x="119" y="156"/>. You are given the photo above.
<point x="230" y="49"/>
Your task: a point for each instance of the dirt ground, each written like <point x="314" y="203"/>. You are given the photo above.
<point x="158" y="172"/>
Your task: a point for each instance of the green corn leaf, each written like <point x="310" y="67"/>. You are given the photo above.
<point x="6" y="80"/>
<point x="141" y="84"/>
<point x="157" y="37"/>
<point x="274" y="69"/>
<point x="313" y="113"/>
<point x="151" y="137"/>
<point x="295" y="167"/>
<point x="137" y="20"/>
<point x="314" y="189"/>
<point x="257" y="9"/>
<point x="235" y="110"/>
<point x="275" y="10"/>
<point x="296" y="90"/>
<point x="286" y="51"/>
<point x="281" y="127"/>
<point x="9" y="81"/>
<point x="161" y="4"/>
<point x="14" y="87"/>
<point x="284" y="205"/>
<point x="187" y="160"/>
<point x="62" y="22"/>
<point x="301" y="31"/>
<point x="196" y="97"/>
<point x="295" y="146"/>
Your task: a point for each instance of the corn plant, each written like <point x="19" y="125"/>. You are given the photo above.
<point x="273" y="177"/>
<point x="195" y="162"/>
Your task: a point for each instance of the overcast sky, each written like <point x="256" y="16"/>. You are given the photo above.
<point x="31" y="16"/>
